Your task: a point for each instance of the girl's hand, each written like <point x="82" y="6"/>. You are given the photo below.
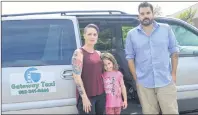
<point x="124" y="104"/>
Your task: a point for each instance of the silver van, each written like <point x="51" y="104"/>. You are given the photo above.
<point x="37" y="50"/>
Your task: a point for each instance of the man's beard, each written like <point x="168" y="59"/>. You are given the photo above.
<point x="146" y="22"/>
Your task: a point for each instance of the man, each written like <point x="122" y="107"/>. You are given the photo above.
<point x="149" y="47"/>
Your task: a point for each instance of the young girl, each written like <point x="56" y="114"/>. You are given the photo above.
<point x="114" y="85"/>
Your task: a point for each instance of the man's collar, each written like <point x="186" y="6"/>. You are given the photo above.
<point x="155" y="25"/>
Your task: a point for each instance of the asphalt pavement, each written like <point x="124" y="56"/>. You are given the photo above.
<point x="133" y="108"/>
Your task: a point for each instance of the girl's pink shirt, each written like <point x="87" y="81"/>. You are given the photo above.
<point x="112" y="84"/>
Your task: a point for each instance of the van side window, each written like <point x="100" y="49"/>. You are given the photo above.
<point x="105" y="37"/>
<point x="187" y="40"/>
<point x="125" y="30"/>
<point x="104" y="40"/>
<point x="37" y="42"/>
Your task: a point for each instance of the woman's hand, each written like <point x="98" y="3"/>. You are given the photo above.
<point x="86" y="104"/>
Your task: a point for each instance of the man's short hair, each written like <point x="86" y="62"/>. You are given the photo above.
<point x="145" y="4"/>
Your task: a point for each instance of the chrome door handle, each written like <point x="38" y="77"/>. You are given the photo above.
<point x="67" y="74"/>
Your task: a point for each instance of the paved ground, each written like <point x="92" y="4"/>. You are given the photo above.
<point x="133" y="108"/>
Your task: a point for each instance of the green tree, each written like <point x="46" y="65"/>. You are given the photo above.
<point x="157" y="11"/>
<point x="104" y="39"/>
<point x="125" y="30"/>
<point x="187" y="15"/>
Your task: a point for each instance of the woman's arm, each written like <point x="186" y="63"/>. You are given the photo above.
<point x="77" y="64"/>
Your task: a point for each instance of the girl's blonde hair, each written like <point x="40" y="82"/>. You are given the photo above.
<point x="111" y="58"/>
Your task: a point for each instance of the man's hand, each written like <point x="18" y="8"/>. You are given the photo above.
<point x="174" y="77"/>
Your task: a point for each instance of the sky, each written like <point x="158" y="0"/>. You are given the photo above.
<point x="167" y="8"/>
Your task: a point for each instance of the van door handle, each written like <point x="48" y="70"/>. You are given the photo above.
<point x="67" y="74"/>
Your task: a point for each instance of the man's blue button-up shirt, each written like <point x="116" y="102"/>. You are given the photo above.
<point x="151" y="54"/>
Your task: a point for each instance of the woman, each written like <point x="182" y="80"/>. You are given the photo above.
<point x="87" y="72"/>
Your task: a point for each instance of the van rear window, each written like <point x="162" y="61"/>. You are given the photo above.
<point x="37" y="42"/>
